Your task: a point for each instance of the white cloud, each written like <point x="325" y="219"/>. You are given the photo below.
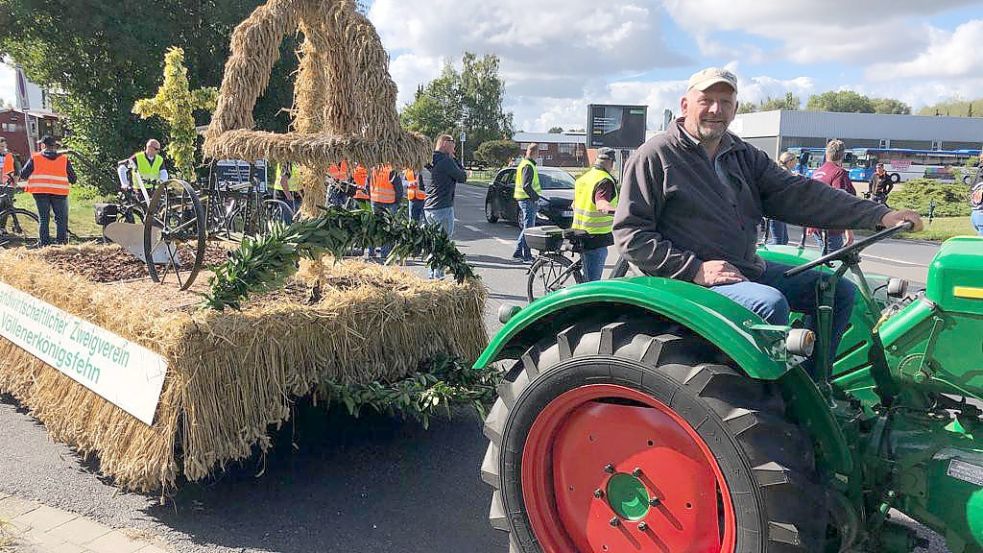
<point x="545" y="50"/>
<point x="949" y="55"/>
<point x="537" y="114"/>
<point x="807" y="32"/>
<point x="410" y="70"/>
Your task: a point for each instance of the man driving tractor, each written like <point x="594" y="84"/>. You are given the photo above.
<point x="692" y="196"/>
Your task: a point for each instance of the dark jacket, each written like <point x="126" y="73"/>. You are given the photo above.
<point x="445" y="173"/>
<point x="675" y="213"/>
<point x="28" y="168"/>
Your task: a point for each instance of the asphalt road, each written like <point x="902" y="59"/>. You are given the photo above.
<point x="331" y="484"/>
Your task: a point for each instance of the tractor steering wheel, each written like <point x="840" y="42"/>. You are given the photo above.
<point x="852" y="249"/>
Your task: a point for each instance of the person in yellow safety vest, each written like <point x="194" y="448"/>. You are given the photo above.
<point x="595" y="197"/>
<point x="148" y="164"/>
<point x="385" y="190"/>
<point x="9" y="165"/>
<point x="49" y="175"/>
<point x="286" y="188"/>
<point x="415" y="194"/>
<point x="527" y="193"/>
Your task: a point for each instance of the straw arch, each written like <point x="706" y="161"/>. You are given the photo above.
<point x="344" y="98"/>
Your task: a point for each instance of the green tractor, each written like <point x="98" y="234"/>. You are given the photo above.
<point x="652" y="415"/>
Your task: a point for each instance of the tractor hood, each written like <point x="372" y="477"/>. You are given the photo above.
<point x="955" y="278"/>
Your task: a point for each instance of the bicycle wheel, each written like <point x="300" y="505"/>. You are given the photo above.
<point x="19" y="227"/>
<point x="275" y="211"/>
<point x="175" y="231"/>
<point x="549" y="273"/>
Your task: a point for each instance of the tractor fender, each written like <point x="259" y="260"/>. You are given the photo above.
<point x="716" y="318"/>
<point x="707" y="313"/>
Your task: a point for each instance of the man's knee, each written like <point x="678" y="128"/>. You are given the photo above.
<point x="773" y="306"/>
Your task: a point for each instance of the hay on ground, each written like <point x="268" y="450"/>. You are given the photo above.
<point x="231" y="375"/>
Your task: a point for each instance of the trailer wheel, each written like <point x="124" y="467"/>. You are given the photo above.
<point x="638" y="436"/>
<point x="895" y="178"/>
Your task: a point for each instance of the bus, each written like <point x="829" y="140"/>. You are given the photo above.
<point x="908" y="164"/>
<point x="816" y="157"/>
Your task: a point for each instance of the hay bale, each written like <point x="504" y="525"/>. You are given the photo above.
<point x="345" y="99"/>
<point x="231" y="375"/>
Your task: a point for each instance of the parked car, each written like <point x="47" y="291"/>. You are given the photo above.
<point x="555" y="204"/>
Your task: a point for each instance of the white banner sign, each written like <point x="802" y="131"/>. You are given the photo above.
<point x="125" y="374"/>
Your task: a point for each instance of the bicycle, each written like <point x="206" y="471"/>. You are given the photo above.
<point x="18" y="226"/>
<point x="560" y="261"/>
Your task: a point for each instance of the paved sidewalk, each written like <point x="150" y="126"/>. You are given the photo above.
<point x="37" y="528"/>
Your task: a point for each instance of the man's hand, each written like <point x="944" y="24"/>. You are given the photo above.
<point x="898" y="216"/>
<point x="715" y="273"/>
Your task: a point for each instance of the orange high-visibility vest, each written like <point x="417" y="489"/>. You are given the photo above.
<point x="413" y="190"/>
<point x="361" y="178"/>
<point x="8" y="164"/>
<point x="50" y="176"/>
<point x="339" y="171"/>
<point x="383" y="191"/>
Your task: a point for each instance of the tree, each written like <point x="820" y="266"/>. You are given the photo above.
<point x="789" y="102"/>
<point x="469" y="101"/>
<point x="116" y="60"/>
<point x="555" y="130"/>
<point x="497" y="153"/>
<point x="890" y="105"/>
<point x="176" y="103"/>
<point x="955" y="107"/>
<point x="846" y="101"/>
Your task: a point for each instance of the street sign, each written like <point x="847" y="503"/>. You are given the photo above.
<point x="464" y="137"/>
<point x="616" y="126"/>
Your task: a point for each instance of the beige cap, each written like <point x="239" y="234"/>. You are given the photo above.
<point x="705" y="78"/>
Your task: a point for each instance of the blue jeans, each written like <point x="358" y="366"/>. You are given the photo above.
<point x="594" y="263"/>
<point x="386" y="248"/>
<point x="777" y="233"/>
<point x="835" y="242"/>
<point x="48" y="203"/>
<point x="416" y="210"/>
<point x="977" y="219"/>
<point x="445" y="219"/>
<point x="773" y="296"/>
<point x="527" y="210"/>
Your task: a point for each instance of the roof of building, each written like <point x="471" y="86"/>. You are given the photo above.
<point x="33" y="112"/>
<point x="550" y="138"/>
<point x="857" y="125"/>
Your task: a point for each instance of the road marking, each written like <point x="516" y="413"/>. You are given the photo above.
<point x="892" y="260"/>
<point x="495" y="238"/>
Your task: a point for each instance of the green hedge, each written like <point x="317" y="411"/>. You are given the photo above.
<point x="951" y="199"/>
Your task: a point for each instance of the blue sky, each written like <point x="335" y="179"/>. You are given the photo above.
<point x="560" y="55"/>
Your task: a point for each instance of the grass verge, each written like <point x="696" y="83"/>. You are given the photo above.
<point x="942" y="228"/>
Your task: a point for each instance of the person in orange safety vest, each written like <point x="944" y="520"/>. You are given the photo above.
<point x="415" y="194"/>
<point x="49" y="175"/>
<point x="385" y="190"/>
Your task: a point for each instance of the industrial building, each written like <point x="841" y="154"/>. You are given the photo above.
<point x="777" y="131"/>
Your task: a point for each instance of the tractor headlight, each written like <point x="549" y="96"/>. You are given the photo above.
<point x="800" y="341"/>
<point x="897" y="287"/>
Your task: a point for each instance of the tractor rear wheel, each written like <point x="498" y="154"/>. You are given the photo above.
<point x="638" y="436"/>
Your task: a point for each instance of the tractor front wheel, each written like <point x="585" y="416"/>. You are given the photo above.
<point x="639" y="436"/>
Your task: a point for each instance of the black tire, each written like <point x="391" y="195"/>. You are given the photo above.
<point x="20" y="228"/>
<point x="767" y="462"/>
<point x="549" y="274"/>
<point x="895" y="178"/>
<point x="490" y="214"/>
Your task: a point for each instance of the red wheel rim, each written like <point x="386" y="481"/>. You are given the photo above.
<point x="578" y="445"/>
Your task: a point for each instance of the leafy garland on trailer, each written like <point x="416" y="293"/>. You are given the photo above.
<point x="264" y="263"/>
